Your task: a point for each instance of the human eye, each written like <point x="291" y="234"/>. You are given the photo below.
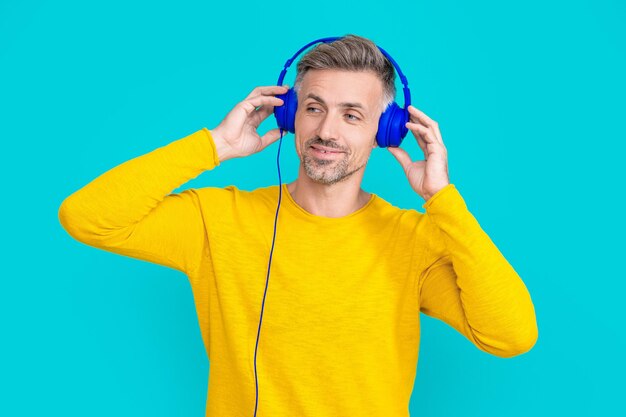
<point x="355" y="118"/>
<point x="311" y="108"/>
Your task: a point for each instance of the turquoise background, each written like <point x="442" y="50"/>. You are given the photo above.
<point x="529" y="97"/>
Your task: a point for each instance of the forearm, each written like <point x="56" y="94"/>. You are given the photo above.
<point x="497" y="307"/>
<point x="125" y="194"/>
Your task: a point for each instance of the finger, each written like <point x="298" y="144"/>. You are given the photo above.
<point x="420" y="140"/>
<point x="268" y="90"/>
<point x="420" y="116"/>
<point x="250" y="105"/>
<point x="402" y="156"/>
<point x="264" y="111"/>
<point x="271" y="136"/>
<point x="430" y="143"/>
<point x="426" y="133"/>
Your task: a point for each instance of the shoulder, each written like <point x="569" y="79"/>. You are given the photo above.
<point x="391" y="212"/>
<point x="404" y="223"/>
<point x="415" y="227"/>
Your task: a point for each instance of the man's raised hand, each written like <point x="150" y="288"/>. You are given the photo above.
<point x="236" y="135"/>
<point x="430" y="175"/>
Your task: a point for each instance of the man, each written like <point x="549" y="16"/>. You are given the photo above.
<point x="350" y="272"/>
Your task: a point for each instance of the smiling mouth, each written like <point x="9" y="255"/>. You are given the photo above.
<point x="324" y="154"/>
<point x="320" y="150"/>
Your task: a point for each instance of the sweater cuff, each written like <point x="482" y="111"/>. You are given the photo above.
<point x="446" y="197"/>
<point x="213" y="150"/>
<point x="447" y="208"/>
<point x="445" y="202"/>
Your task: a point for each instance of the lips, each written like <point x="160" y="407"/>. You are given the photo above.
<point x="321" y="153"/>
<point x="324" y="149"/>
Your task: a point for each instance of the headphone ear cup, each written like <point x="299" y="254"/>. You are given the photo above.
<point x="286" y="114"/>
<point x="392" y="126"/>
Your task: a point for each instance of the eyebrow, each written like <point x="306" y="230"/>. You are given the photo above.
<point x="318" y="98"/>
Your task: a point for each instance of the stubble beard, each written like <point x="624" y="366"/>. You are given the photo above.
<point x="328" y="171"/>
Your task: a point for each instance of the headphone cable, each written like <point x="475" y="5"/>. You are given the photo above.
<point x="280" y="192"/>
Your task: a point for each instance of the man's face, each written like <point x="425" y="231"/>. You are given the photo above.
<point x="337" y="110"/>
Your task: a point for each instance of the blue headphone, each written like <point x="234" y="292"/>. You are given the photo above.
<point x="391" y="125"/>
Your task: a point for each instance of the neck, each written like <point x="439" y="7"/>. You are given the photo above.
<point x="336" y="200"/>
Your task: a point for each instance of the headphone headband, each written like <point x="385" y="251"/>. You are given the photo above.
<point x="405" y="83"/>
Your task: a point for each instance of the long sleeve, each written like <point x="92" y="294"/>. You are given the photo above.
<point x="129" y="209"/>
<point x="469" y="284"/>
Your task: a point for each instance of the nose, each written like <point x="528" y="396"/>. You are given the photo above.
<point x="328" y="127"/>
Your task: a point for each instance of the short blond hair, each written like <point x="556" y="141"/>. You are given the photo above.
<point x="351" y="53"/>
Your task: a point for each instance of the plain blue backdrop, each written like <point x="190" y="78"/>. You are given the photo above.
<point x="529" y="97"/>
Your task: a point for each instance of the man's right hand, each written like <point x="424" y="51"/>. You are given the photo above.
<point x="236" y="136"/>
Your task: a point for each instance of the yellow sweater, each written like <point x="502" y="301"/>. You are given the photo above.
<point x="340" y="331"/>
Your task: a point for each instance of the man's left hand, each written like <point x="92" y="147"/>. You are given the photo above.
<point x="430" y="175"/>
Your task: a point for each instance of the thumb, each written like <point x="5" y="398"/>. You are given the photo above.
<point x="271" y="136"/>
<point x="401" y="155"/>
